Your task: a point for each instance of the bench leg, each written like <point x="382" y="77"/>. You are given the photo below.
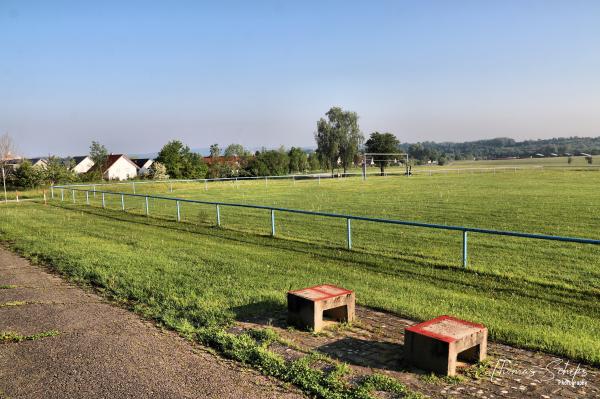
<point x="317" y="318"/>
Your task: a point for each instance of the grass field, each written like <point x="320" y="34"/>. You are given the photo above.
<point x="530" y="293"/>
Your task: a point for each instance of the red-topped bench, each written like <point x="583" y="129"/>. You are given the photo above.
<point x="437" y="344"/>
<point x="308" y="307"/>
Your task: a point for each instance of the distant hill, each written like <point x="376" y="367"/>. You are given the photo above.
<point x="504" y="147"/>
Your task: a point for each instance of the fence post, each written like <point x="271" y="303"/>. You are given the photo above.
<point x="171" y="187"/>
<point x="94" y="191"/>
<point x="272" y="223"/>
<point x="133" y="186"/>
<point x="62" y="194"/>
<point x="147" y="207"/>
<point x="218" y="216"/>
<point x="349" y="228"/>
<point x="465" y="249"/>
<point x="73" y="195"/>
<point x="178" y="212"/>
<point x="52" y="191"/>
<point x="45" y="202"/>
<point x="103" y="202"/>
<point x="87" y="197"/>
<point x="205" y="185"/>
<point x="123" y="202"/>
<point x="319" y="180"/>
<point x="266" y="181"/>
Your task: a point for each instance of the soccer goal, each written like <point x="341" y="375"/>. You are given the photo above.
<point x="376" y="158"/>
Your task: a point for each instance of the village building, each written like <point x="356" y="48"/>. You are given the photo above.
<point x="144" y="165"/>
<point x="118" y="167"/>
<point x="79" y="164"/>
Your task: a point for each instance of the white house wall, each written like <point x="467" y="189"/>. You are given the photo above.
<point x="121" y="170"/>
<point x="83" y="166"/>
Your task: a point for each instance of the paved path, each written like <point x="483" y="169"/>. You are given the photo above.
<point x="103" y="351"/>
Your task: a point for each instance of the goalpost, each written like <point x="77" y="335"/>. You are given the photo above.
<point x="386" y="159"/>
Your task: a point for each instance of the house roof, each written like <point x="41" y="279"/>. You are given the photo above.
<point x="141" y="161"/>
<point x="111" y="160"/>
<point x="36" y="160"/>
<point x="78" y="159"/>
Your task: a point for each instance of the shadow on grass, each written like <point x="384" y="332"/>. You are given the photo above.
<point x="266" y="313"/>
<point x="494" y="285"/>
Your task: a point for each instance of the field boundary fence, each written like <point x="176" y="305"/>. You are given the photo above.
<point x="272" y="215"/>
<point x="299" y="177"/>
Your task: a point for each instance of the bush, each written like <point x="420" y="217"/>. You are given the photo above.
<point x="158" y="171"/>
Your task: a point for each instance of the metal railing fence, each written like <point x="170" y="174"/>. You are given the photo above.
<point x="349" y="218"/>
<point x="299" y="177"/>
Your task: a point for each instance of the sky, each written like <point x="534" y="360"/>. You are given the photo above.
<point x="136" y="74"/>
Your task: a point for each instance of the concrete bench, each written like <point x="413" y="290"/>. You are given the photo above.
<point x="312" y="307"/>
<point x="437" y="345"/>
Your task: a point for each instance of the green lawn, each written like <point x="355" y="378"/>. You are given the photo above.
<point x="536" y="294"/>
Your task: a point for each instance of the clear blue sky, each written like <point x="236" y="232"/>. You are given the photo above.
<point x="135" y="74"/>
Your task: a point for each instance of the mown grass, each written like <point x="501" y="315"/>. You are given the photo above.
<point x="535" y="294"/>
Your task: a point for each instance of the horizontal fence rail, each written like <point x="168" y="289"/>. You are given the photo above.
<point x="314" y="176"/>
<point x="348" y="218"/>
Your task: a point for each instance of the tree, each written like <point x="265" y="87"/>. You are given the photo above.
<point x="234" y="150"/>
<point x="338" y="137"/>
<point x="27" y="176"/>
<point x="383" y="143"/>
<point x="158" y="171"/>
<point x="7" y="149"/>
<point x="215" y="151"/>
<point x="269" y="163"/>
<point x="298" y="160"/>
<point x="313" y="161"/>
<point x="98" y="153"/>
<point x="181" y="162"/>
<point x="57" y="172"/>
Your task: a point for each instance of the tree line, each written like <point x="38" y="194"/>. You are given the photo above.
<point x="340" y="145"/>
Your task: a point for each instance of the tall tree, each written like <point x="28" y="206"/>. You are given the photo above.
<point x="235" y="150"/>
<point x="98" y="154"/>
<point x="338" y="137"/>
<point x="298" y="160"/>
<point x="215" y="151"/>
<point x="383" y="143"/>
<point x="7" y="149"/>
<point x="181" y="162"/>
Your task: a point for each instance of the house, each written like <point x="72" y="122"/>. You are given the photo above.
<point x="118" y="167"/>
<point x="144" y="165"/>
<point x="79" y="164"/>
<point x="38" y="162"/>
<point x="233" y="162"/>
<point x="13" y="163"/>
